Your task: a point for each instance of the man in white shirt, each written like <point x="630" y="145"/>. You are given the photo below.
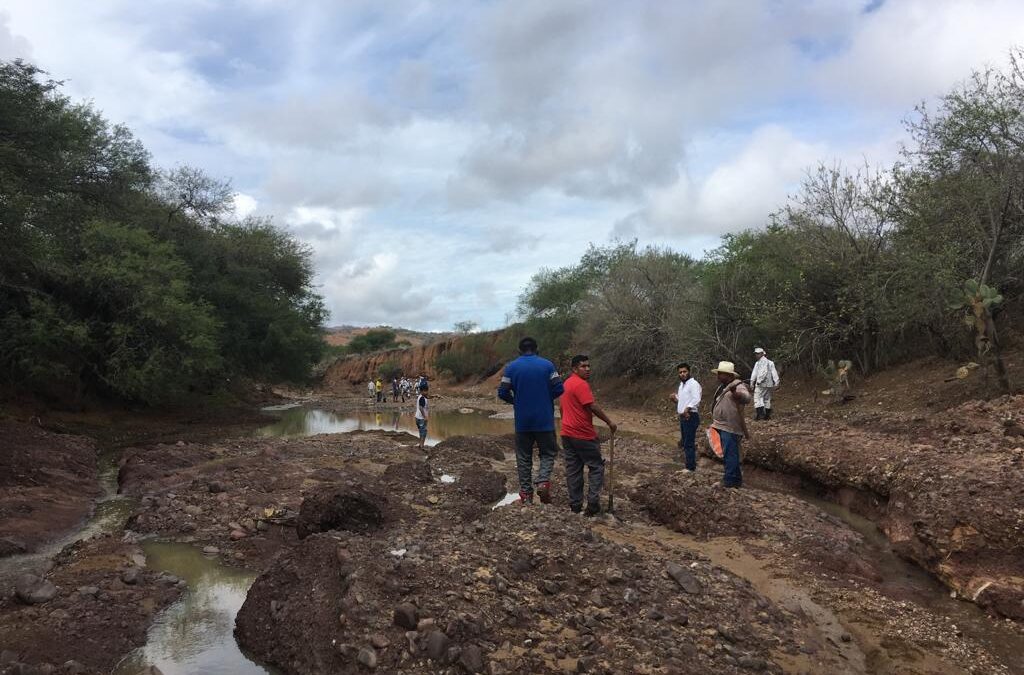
<point x="764" y="378"/>
<point x="687" y="400"/>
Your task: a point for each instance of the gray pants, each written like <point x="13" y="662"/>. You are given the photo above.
<point x="578" y="454"/>
<point x="547" y="448"/>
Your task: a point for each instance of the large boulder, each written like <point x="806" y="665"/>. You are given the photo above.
<point x="347" y="507"/>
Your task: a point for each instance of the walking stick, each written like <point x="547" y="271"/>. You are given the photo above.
<point x="611" y="466"/>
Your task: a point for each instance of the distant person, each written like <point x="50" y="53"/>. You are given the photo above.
<point x="764" y="378"/>
<point x="422" y="382"/>
<point x="579" y="438"/>
<point x="727" y="423"/>
<point x="379" y="389"/>
<point x="687" y="399"/>
<point x="531" y="384"/>
<point x="371" y="388"/>
<point x="394" y="390"/>
<point x="422" y="413"/>
<point x="405" y="386"/>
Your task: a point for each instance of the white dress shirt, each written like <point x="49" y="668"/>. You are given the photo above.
<point x="688" y="395"/>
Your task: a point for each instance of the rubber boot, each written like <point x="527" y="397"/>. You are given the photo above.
<point x="759" y="413"/>
<point x="767" y="413"/>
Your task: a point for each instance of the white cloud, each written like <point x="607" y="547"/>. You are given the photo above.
<point x="435" y="156"/>
<point x="243" y="205"/>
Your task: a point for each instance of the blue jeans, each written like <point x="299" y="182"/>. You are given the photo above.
<point x="733" y="476"/>
<point x="421" y="426"/>
<point x="688" y="431"/>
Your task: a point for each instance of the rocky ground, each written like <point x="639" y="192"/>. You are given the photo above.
<point x="376" y="556"/>
<point x="88" y="611"/>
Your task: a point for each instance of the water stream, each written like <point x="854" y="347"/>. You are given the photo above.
<point x="108" y="515"/>
<point x="196" y="633"/>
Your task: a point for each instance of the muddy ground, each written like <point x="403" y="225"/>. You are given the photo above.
<point x="48" y="483"/>
<point x="397" y="571"/>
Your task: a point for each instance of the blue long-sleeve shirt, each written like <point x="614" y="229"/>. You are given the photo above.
<point x="531" y="384"/>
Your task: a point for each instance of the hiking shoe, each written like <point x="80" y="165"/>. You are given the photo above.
<point x="544" y="492"/>
<point x="593" y="508"/>
<point x="576" y="508"/>
<point x="525" y="497"/>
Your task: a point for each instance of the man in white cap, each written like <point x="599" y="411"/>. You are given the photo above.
<point x="764" y="378"/>
<point x="727" y="423"/>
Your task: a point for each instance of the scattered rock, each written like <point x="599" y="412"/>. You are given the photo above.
<point x="238" y="534"/>
<point x="130" y="576"/>
<point x="472" y="659"/>
<point x="406" y="616"/>
<point x="211" y="550"/>
<point x="682" y="576"/>
<point x="367" y="657"/>
<point x="437" y="645"/>
<point x="33" y="590"/>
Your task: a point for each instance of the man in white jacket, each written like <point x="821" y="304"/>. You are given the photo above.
<point x="764" y="378"/>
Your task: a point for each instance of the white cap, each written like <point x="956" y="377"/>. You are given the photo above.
<point x="758" y="350"/>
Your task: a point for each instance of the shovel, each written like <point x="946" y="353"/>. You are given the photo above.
<point x="611" y="465"/>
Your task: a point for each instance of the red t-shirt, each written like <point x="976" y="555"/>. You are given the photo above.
<point x="577" y="421"/>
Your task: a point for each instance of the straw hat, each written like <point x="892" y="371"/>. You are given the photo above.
<point x="725" y="367"/>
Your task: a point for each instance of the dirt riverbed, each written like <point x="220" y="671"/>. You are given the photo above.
<point x="400" y="571"/>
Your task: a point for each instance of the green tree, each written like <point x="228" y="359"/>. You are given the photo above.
<point x="373" y="340"/>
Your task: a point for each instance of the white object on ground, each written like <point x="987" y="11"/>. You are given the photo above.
<point x="445" y="478"/>
<point x="510" y="498"/>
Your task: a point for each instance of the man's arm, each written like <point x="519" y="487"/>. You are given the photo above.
<point x="596" y="410"/>
<point x="740" y="393"/>
<point x="505" y="390"/>
<point x="555" y="385"/>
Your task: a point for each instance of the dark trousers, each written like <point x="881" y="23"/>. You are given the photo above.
<point x="733" y="476"/>
<point x="547" y="449"/>
<point x="580" y="453"/>
<point x="688" y="433"/>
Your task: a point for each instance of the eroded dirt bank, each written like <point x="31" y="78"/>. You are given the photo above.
<point x="946" y="487"/>
<point x="47" y="484"/>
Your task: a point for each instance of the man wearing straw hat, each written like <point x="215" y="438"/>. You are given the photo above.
<point x="727" y="425"/>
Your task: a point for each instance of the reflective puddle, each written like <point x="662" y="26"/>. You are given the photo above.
<point x="298" y="421"/>
<point x="196" y="633"/>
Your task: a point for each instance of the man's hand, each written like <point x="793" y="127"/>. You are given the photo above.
<point x="686" y="414"/>
<point x="613" y="426"/>
<point x="674" y="397"/>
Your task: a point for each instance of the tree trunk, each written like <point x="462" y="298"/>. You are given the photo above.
<point x="997" y="357"/>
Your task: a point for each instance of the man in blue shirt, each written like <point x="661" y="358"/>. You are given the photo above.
<point x="531" y="384"/>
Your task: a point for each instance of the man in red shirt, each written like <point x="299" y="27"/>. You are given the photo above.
<point x="579" y="438"/>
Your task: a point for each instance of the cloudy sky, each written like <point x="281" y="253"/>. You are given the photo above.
<point x="436" y="154"/>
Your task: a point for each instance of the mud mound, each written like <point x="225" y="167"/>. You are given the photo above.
<point x="344" y="507"/>
<point x="466" y="448"/>
<point x="414" y="472"/>
<point x="481" y="484"/>
<point x="47" y="483"/>
<point x="521" y="590"/>
<point x="698" y="504"/>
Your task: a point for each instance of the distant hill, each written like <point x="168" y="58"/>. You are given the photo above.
<point x="342" y="335"/>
